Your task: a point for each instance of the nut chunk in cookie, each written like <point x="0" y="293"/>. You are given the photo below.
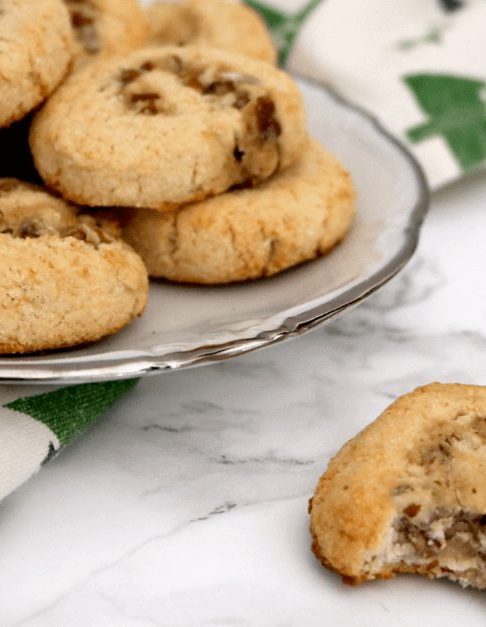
<point x="66" y="279"/>
<point x="167" y="126"/>
<point x="106" y="26"/>
<point x="36" y="49"/>
<point x="224" y="24"/>
<point x="408" y="493"/>
<point x="295" y="216"/>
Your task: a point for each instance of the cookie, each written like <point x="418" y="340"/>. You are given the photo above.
<point x="219" y="23"/>
<point x="106" y="27"/>
<point x="65" y="279"/>
<point x="166" y="126"/>
<point x="408" y="493"/>
<point x="296" y="216"/>
<point x="36" y="49"/>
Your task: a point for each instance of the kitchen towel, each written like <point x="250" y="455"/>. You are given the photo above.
<point x="36" y="425"/>
<point x="416" y="65"/>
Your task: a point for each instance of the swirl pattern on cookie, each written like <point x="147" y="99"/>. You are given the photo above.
<point x="166" y="126"/>
<point x="296" y="216"/>
<point x="36" y="49"/>
<point x="67" y="278"/>
<point x="220" y="23"/>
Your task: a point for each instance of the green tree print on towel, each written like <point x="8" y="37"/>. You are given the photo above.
<point x="457" y="113"/>
<point x="451" y="5"/>
<point x="434" y="36"/>
<point x="284" y="27"/>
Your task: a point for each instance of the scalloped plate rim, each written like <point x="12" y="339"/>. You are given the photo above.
<point x="28" y="370"/>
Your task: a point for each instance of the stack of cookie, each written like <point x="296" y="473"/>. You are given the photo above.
<point x="67" y="278"/>
<point x="178" y="121"/>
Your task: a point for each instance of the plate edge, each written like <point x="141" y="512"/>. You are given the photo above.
<point x="290" y="327"/>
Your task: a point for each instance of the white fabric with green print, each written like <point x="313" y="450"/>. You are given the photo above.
<point x="37" y="426"/>
<point x="417" y="65"/>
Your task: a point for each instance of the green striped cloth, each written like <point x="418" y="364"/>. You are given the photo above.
<point x="418" y="65"/>
<point x="37" y="426"/>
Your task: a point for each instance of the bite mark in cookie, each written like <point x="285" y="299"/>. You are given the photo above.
<point x="444" y="543"/>
<point x="423" y="510"/>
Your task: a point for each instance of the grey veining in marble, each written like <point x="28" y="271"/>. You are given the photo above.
<point x="186" y="506"/>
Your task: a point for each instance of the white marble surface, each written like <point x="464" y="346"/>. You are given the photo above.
<point x="186" y="506"/>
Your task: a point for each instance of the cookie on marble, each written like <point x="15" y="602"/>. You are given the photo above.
<point x="66" y="279"/>
<point x="407" y="495"/>
<point x="106" y="27"/>
<point x="220" y="23"/>
<point x="166" y="126"/>
<point x="36" y="49"/>
<point x="299" y="214"/>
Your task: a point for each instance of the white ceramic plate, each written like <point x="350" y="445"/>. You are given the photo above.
<point x="188" y="326"/>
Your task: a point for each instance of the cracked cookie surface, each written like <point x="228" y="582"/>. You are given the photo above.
<point x="36" y="49"/>
<point x="167" y="126"/>
<point x="67" y="278"/>
<point x="106" y="27"/>
<point x="296" y="216"/>
<point x="220" y="23"/>
<point x="408" y="493"/>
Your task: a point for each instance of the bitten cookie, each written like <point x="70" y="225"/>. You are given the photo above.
<point x="166" y="126"/>
<point x="219" y="23"/>
<point x="408" y="493"/>
<point x="65" y="279"/>
<point x="36" y="48"/>
<point x="106" y="26"/>
<point x="295" y="216"/>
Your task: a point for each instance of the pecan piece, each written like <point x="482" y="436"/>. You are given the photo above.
<point x="268" y="125"/>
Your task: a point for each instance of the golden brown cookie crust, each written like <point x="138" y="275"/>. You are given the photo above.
<point x="66" y="280"/>
<point x="219" y="23"/>
<point x="106" y="27"/>
<point x="166" y="126"/>
<point x="407" y="494"/>
<point x="296" y="216"/>
<point x="36" y="49"/>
